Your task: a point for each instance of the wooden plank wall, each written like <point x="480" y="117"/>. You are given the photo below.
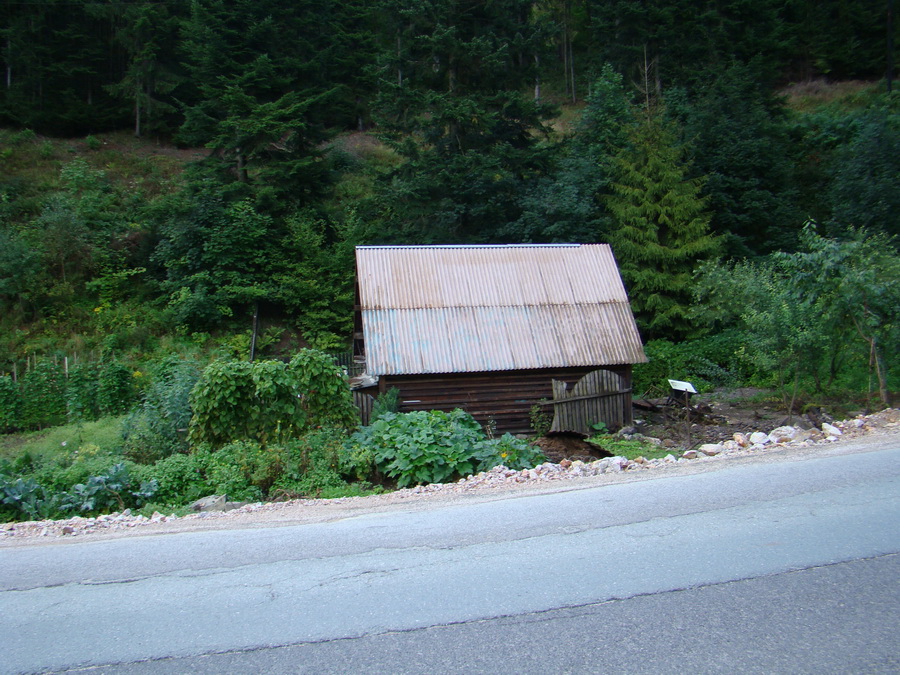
<point x="505" y="397"/>
<point x="600" y="396"/>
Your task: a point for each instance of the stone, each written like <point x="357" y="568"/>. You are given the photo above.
<point x="210" y="503"/>
<point x="618" y="463"/>
<point x="741" y="440"/>
<point x="830" y="429"/>
<point x="711" y="449"/>
<point x="668" y="459"/>
<point x="782" y="435"/>
<point x="731" y="446"/>
<point x="691" y="454"/>
<point x="758" y="438"/>
<point x="668" y="443"/>
<point x="806" y="435"/>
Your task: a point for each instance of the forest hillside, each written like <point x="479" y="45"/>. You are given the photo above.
<point x="175" y="173"/>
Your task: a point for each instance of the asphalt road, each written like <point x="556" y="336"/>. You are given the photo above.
<point x="788" y="566"/>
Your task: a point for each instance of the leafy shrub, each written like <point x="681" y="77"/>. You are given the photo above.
<point x="541" y="420"/>
<point x="509" y="451"/>
<point x="312" y="464"/>
<point x="10" y="404"/>
<point x="710" y="361"/>
<point x="115" y="388"/>
<point x="81" y="393"/>
<point x="25" y="497"/>
<point x="180" y="478"/>
<point x="114" y="488"/>
<point x="43" y="396"/>
<point x="386" y="402"/>
<point x="269" y="401"/>
<point x="431" y="447"/>
<point x="158" y="426"/>
<point x="22" y="137"/>
<point x="245" y="470"/>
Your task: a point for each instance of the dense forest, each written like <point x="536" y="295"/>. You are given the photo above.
<point x="740" y="156"/>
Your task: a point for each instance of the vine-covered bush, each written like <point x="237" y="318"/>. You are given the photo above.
<point x="10" y="404"/>
<point x="115" y="388"/>
<point x="81" y="393"/>
<point x="269" y="401"/>
<point x="43" y="396"/>
<point x="47" y="396"/>
<point x="432" y="446"/>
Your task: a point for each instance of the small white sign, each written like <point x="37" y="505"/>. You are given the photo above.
<point x="678" y="385"/>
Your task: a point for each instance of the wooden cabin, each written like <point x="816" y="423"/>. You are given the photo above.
<point x="499" y="331"/>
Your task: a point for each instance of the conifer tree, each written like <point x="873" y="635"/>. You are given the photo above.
<point x="661" y="229"/>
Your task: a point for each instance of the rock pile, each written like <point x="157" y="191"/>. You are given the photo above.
<point x="885" y="421"/>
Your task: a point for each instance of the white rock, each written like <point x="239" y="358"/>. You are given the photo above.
<point x="712" y="449"/>
<point x="618" y="463"/>
<point x="758" y="438"/>
<point x="782" y="435"/>
<point x="741" y="440"/>
<point x="830" y="430"/>
<point x="691" y="454"/>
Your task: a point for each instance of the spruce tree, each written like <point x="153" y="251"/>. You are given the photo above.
<point x="661" y="228"/>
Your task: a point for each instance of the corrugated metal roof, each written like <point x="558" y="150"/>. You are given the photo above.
<point x="448" y="309"/>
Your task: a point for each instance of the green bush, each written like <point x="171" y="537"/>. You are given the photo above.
<point x="43" y="396"/>
<point x="113" y="489"/>
<point x="81" y="393"/>
<point x="712" y="361"/>
<point x="511" y="452"/>
<point x="180" y="478"/>
<point x="245" y="470"/>
<point x="269" y="401"/>
<point x="432" y="447"/>
<point x="312" y="464"/>
<point x="10" y="404"/>
<point x="158" y="426"/>
<point x="115" y="388"/>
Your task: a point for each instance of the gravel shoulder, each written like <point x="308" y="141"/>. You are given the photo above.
<point x="863" y="434"/>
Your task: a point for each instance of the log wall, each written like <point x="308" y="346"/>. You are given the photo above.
<point x="504" y="398"/>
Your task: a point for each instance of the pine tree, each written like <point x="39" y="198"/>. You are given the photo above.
<point x="452" y="104"/>
<point x="661" y="230"/>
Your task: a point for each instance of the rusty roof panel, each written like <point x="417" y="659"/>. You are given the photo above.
<point x="407" y="277"/>
<point x="444" y="309"/>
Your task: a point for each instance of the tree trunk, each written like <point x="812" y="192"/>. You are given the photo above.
<point x="875" y="362"/>
<point x="137" y="114"/>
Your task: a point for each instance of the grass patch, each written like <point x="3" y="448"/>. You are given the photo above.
<point x="814" y="95"/>
<point x="629" y="448"/>
<point x="103" y="437"/>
